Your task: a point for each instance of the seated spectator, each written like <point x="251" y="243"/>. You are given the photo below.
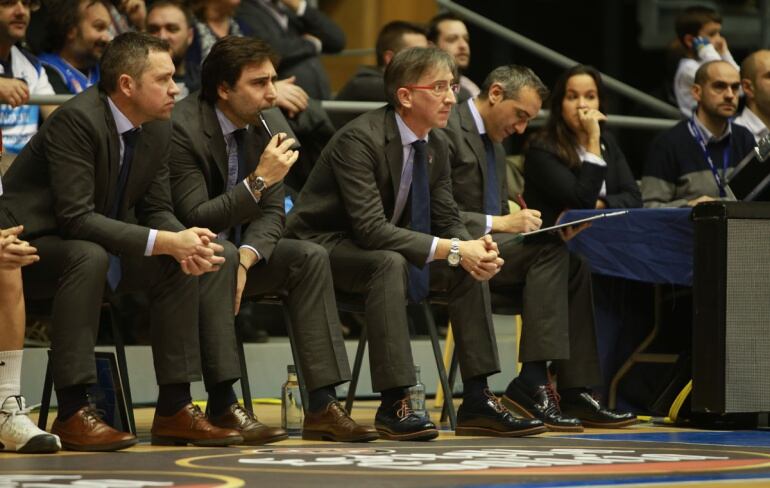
<point x="686" y="164"/>
<point x="21" y="75"/>
<point x="76" y="35"/>
<point x="755" y="80"/>
<point x="447" y="32"/>
<point x="172" y="21"/>
<point x="367" y="83"/>
<point x="127" y="16"/>
<point x="699" y="30"/>
<point x="573" y="163"/>
<point x="299" y="33"/>
<point x="214" y="19"/>
<point x="563" y="332"/>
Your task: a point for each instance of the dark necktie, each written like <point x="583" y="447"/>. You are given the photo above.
<point x="492" y="195"/>
<point x="129" y="143"/>
<point x="419" y="278"/>
<point x="240" y="138"/>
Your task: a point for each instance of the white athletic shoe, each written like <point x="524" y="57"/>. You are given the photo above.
<point x="18" y="433"/>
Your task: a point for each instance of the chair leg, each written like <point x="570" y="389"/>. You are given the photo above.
<point x="440" y="364"/>
<point x="295" y="355"/>
<point x="452" y="375"/>
<point x="120" y="352"/>
<point x="245" y="385"/>
<point x="356" y="370"/>
<point x="45" y="403"/>
<point x="449" y="347"/>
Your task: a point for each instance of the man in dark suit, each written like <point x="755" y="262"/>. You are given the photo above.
<point x="92" y="191"/>
<point x="563" y="331"/>
<point x="227" y="174"/>
<point x="380" y="201"/>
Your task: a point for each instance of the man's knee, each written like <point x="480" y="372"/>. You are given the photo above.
<point x="85" y="256"/>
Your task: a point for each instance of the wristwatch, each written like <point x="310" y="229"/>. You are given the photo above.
<point x="257" y="185"/>
<point x="454" y="258"/>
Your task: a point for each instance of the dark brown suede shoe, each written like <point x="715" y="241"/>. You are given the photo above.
<point x="252" y="430"/>
<point x="190" y="426"/>
<point x="86" y="431"/>
<point x="334" y="424"/>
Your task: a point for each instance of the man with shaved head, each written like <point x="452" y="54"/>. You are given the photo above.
<point x="755" y="80"/>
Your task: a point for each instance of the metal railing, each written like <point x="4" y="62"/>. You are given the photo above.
<point x="557" y="58"/>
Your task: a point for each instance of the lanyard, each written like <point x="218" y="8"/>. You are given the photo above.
<point x="725" y="157"/>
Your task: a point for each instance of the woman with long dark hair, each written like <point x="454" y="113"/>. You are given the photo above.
<point x="572" y="162"/>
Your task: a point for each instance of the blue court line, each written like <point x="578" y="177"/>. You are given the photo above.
<point x="662" y="480"/>
<point x="747" y="438"/>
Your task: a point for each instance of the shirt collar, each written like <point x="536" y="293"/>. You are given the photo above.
<point x="750" y="120"/>
<point x="708" y="137"/>
<point x="225" y="124"/>
<point x="121" y="121"/>
<point x="407" y="136"/>
<point x="477" y="117"/>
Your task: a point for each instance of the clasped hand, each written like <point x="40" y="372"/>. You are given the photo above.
<point x="15" y="253"/>
<point x="196" y="251"/>
<point x="481" y="258"/>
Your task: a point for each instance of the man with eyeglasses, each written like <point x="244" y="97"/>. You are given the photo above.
<point x="21" y="75"/>
<point x="563" y="331"/>
<point x="379" y="200"/>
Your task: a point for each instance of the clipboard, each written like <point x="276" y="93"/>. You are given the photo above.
<point x="273" y="121"/>
<point x="603" y="215"/>
<point x="752" y="175"/>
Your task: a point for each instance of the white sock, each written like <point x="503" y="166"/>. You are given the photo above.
<point x="10" y="374"/>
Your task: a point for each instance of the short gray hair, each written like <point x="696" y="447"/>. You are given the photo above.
<point x="513" y="78"/>
<point x="409" y="65"/>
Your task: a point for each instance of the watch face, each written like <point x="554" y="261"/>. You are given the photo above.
<point x="453" y="259"/>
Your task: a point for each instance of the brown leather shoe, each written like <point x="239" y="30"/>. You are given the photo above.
<point x="86" y="431"/>
<point x="252" y="430"/>
<point x="190" y="426"/>
<point x="334" y="424"/>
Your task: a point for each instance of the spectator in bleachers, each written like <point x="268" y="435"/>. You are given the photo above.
<point x="380" y="201"/>
<point x="367" y="84"/>
<point x="572" y="162"/>
<point x="244" y="204"/>
<point x="447" y="32"/>
<point x="21" y="75"/>
<point x="699" y="30"/>
<point x="127" y="16"/>
<point x="214" y="19"/>
<point x="77" y="32"/>
<point x="563" y="332"/>
<point x="173" y="22"/>
<point x="299" y="33"/>
<point x="687" y="164"/>
<point x="755" y="80"/>
<point x="92" y="190"/>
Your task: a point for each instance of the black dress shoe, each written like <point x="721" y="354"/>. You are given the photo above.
<point x="491" y="418"/>
<point x="592" y="414"/>
<point x="398" y="422"/>
<point x="541" y="403"/>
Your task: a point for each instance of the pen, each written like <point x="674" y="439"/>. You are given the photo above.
<point x="521" y="201"/>
<point x="264" y="124"/>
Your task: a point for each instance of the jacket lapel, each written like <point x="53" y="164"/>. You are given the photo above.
<point x="473" y="139"/>
<point x="394" y="152"/>
<point x="113" y="156"/>
<point x="216" y="141"/>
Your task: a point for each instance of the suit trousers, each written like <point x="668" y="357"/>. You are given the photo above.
<point x="558" y="314"/>
<point x="74" y="272"/>
<point x="299" y="272"/>
<point x="381" y="277"/>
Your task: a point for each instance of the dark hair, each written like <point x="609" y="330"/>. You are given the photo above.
<point x="409" y="65"/>
<point x="556" y="136"/>
<point x="433" y="30"/>
<point x="226" y="61"/>
<point x="61" y="17"/>
<point x="127" y="54"/>
<point x="391" y="38"/>
<point x="513" y="78"/>
<point x="692" y="19"/>
<point x="179" y="4"/>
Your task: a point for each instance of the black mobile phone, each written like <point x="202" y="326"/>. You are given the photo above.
<point x="274" y="122"/>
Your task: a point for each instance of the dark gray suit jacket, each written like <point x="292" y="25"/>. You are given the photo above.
<point x="199" y="176"/>
<point x="64" y="181"/>
<point x="351" y="192"/>
<point x="468" y="159"/>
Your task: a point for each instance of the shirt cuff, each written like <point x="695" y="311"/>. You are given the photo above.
<point x="246" y="184"/>
<point x="317" y="43"/>
<point x="488" y="229"/>
<point x="594" y="159"/>
<point x="259" y="257"/>
<point x="432" y="254"/>
<point x="302" y="7"/>
<point x="151" y="242"/>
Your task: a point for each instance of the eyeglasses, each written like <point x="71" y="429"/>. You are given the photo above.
<point x="32" y="5"/>
<point x="438" y="88"/>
